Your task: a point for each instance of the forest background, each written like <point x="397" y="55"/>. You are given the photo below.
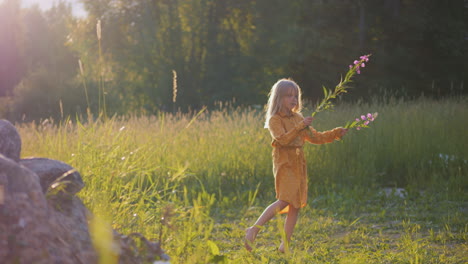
<point x="53" y="64"/>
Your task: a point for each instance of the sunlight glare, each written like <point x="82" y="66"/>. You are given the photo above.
<point x="77" y="6"/>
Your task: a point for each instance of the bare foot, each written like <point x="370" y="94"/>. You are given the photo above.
<point x="250" y="235"/>
<point x="282" y="248"/>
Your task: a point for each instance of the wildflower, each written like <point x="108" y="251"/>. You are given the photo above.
<point x="341" y="87"/>
<point x="362" y="122"/>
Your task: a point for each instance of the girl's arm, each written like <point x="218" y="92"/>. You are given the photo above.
<point x="280" y="135"/>
<point x="315" y="137"/>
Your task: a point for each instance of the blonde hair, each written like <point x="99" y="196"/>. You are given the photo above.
<point x="278" y="90"/>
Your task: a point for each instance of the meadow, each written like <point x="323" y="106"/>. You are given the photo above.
<point x="392" y="193"/>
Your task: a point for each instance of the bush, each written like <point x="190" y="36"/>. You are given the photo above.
<point x="43" y="94"/>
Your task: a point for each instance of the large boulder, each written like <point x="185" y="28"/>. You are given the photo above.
<point x="54" y="174"/>
<point x="34" y="231"/>
<point x="10" y="140"/>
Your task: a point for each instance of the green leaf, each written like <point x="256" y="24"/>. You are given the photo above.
<point x="214" y="248"/>
<point x="219" y="259"/>
<point x="351" y="125"/>
<point x="325" y="92"/>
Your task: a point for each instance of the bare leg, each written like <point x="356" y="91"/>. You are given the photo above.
<point x="289" y="225"/>
<point x="267" y="215"/>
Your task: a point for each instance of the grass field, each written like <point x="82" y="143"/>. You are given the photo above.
<point x="209" y="174"/>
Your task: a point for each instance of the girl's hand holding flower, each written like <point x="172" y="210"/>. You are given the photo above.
<point x="343" y="131"/>
<point x="308" y="120"/>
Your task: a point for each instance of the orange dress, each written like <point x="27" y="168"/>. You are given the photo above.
<point x="289" y="165"/>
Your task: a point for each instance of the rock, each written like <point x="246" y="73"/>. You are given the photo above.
<point x="10" y="141"/>
<point x="135" y="248"/>
<point x="54" y="174"/>
<point x="31" y="230"/>
<point x="16" y="178"/>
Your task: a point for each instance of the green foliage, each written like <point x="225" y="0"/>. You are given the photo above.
<point x="46" y="87"/>
<point x="44" y="94"/>
<point x="12" y="67"/>
<point x="212" y="172"/>
<point x="226" y="50"/>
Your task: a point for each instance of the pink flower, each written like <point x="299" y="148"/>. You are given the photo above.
<point x="363" y="65"/>
<point x="366" y="123"/>
<point x="358" y="71"/>
<point x="363" y="117"/>
<point x="350" y="67"/>
<point x="364" y="58"/>
<point x="357" y="119"/>
<point x="358" y="128"/>
<point x="369" y="116"/>
<point x="356" y="62"/>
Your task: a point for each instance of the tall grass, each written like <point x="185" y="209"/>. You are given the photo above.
<point x="419" y="143"/>
<point x="213" y="169"/>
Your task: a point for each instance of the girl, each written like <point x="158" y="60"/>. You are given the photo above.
<point x="289" y="130"/>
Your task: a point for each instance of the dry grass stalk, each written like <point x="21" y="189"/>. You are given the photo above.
<point x="174" y="86"/>
<point x="98" y="29"/>
<point x="84" y="84"/>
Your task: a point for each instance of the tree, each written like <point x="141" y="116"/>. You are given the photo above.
<point x="50" y="66"/>
<point x="11" y="68"/>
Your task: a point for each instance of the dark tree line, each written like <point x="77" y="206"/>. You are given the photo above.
<point x="221" y="51"/>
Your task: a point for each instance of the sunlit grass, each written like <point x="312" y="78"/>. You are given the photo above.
<point x="214" y="170"/>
